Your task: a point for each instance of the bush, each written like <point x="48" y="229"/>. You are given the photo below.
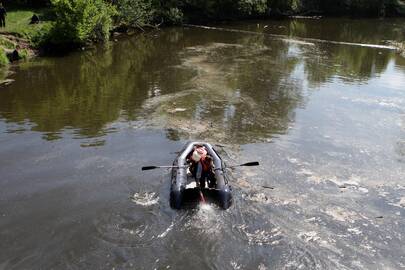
<point x="3" y="57"/>
<point x="173" y="16"/>
<point x="79" y="21"/>
<point x="6" y="43"/>
<point x="135" y="12"/>
<point x="23" y="54"/>
<point x="206" y="10"/>
<point x="252" y="7"/>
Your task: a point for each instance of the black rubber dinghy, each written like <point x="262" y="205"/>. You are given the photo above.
<point x="179" y="193"/>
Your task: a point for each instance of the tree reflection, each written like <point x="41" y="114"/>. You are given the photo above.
<point x="84" y="91"/>
<point x="194" y="83"/>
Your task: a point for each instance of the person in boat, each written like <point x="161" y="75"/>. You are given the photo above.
<point x="201" y="167"/>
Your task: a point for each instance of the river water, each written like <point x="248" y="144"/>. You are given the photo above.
<point x="314" y="101"/>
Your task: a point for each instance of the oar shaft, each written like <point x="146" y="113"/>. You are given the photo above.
<point x="147" y="168"/>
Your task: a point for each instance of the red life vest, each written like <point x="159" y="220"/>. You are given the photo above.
<point x="206" y="165"/>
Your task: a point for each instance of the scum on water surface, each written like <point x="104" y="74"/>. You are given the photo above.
<point x="326" y="121"/>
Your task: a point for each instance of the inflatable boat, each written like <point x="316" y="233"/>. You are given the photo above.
<point x="182" y="180"/>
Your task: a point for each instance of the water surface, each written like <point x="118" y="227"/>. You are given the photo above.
<point x="325" y="119"/>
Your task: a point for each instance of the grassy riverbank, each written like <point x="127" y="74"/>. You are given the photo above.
<point x="19" y="34"/>
<point x="18" y="22"/>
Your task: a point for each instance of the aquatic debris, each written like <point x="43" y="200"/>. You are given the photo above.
<point x="400" y="46"/>
<point x="303" y="41"/>
<point x="145" y="199"/>
<point x="363" y="190"/>
<point x="341" y="214"/>
<point x="176" y="110"/>
<point x="258" y="197"/>
<point x="208" y="92"/>
<point x="262" y="237"/>
<point x="356" y="231"/>
<point x="400" y="203"/>
<point x="243" y="183"/>
<point x="305" y="172"/>
<point x="352" y="183"/>
<point x="311" y="236"/>
<point x="93" y="144"/>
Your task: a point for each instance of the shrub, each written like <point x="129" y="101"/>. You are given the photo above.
<point x="6" y="43"/>
<point x="23" y="54"/>
<point x="205" y="10"/>
<point x="135" y="12"/>
<point x="3" y="57"/>
<point x="252" y="7"/>
<point x="78" y="21"/>
<point x="173" y="15"/>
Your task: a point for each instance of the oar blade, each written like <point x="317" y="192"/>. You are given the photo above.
<point x="249" y="164"/>
<point x="147" y="168"/>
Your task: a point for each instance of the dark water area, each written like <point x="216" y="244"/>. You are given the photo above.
<point x="326" y="120"/>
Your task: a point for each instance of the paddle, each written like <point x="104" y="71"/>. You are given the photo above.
<point x="249" y="164"/>
<point x="147" y="168"/>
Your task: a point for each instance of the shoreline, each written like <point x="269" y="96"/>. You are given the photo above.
<point x="21" y="48"/>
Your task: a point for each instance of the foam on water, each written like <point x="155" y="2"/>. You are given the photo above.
<point x="145" y="198"/>
<point x="164" y="234"/>
<point x="206" y="207"/>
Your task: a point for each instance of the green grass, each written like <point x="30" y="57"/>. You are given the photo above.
<point x="3" y="58"/>
<point x="5" y="43"/>
<point x="20" y="33"/>
<point x="17" y="22"/>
